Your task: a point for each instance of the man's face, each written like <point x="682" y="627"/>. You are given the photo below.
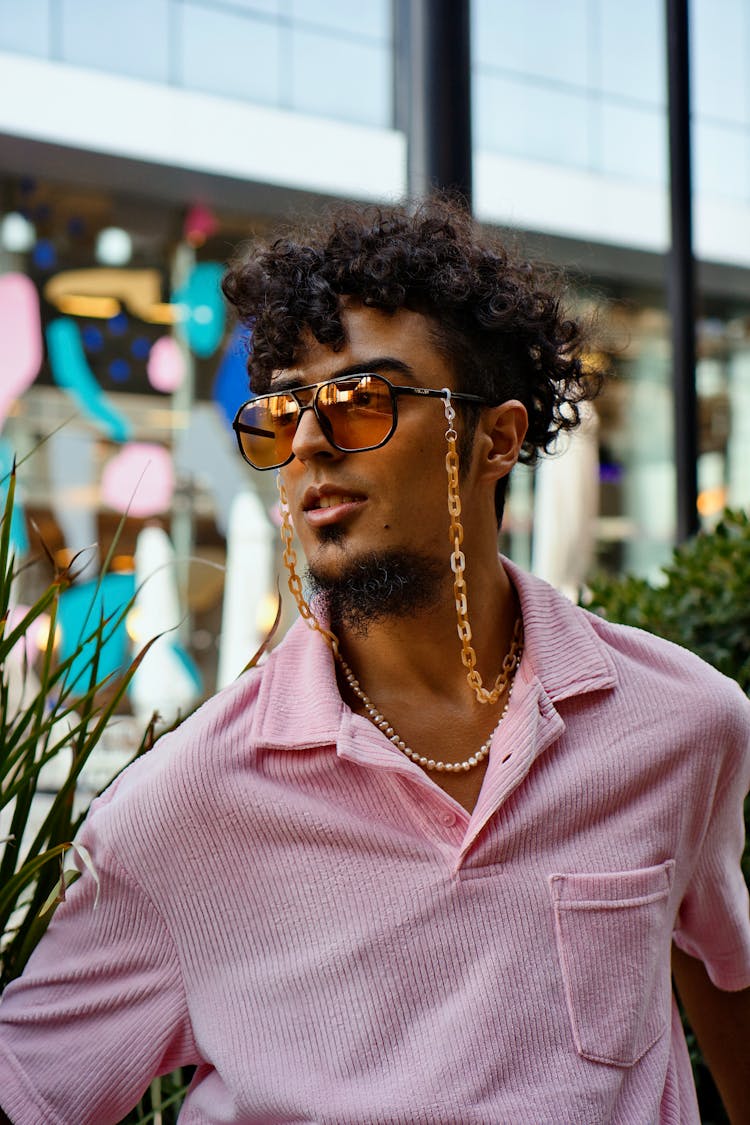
<point x="346" y="506"/>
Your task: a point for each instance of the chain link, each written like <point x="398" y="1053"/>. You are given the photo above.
<point x="294" y="580"/>
<point x="458" y="566"/>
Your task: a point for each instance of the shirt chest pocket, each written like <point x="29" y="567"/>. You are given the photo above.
<point x="614" y="932"/>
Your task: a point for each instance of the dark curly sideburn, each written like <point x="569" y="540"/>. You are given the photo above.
<point x="496" y="317"/>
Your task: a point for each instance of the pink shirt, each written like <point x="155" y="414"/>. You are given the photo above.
<point x="291" y="904"/>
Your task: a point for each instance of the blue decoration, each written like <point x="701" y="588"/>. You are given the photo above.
<point x="230" y="388"/>
<point x="71" y="371"/>
<point x="76" y="226"/>
<point x="610" y="473"/>
<point x="28" y="185"/>
<point x="189" y="665"/>
<point x="119" y="370"/>
<point x="19" y="536"/>
<point x="92" y="338"/>
<point x="80" y="611"/>
<point x="203" y="312"/>
<point x="42" y="212"/>
<point x="44" y="255"/>
<point x="118" y="325"/>
<point x="140" y="347"/>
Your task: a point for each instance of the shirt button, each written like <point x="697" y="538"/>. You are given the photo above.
<point x="448" y="818"/>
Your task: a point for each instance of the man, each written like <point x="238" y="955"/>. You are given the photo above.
<point x="427" y="863"/>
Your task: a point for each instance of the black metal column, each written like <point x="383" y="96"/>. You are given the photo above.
<point x="433" y="93"/>
<point x="681" y="284"/>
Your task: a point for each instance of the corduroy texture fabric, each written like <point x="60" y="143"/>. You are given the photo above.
<point x="289" y="903"/>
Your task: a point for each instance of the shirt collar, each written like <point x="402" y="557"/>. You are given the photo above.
<point x="298" y="700"/>
<point x="299" y="704"/>
<point x="561" y="646"/>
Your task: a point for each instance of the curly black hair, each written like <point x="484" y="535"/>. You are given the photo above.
<point x="497" y="318"/>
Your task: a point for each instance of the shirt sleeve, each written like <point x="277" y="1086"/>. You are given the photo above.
<point x="100" y="1009"/>
<point x="714" y="918"/>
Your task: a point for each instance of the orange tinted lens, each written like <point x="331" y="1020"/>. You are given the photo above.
<point x="266" y="428"/>
<point x="358" y="410"/>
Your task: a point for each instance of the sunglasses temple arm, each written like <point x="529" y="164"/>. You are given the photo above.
<point x="256" y="430"/>
<point x="444" y="393"/>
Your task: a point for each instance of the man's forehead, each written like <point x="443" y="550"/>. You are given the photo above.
<point x="310" y="357"/>
<point x="374" y="339"/>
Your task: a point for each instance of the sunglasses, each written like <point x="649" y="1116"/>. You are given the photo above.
<point x="355" y="412"/>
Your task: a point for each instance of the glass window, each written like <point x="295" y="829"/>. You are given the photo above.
<point x="721" y="159"/>
<point x="371" y="18"/>
<point x="634" y="143"/>
<point x="646" y="444"/>
<point x="130" y="38"/>
<point x="340" y="78"/>
<point x="738" y="468"/>
<point x="25" y="26"/>
<point x="631" y="58"/>
<point x="230" y="54"/>
<point x="720" y="48"/>
<point x="538" y="37"/>
<point x="524" y="119"/>
<point x="260" y="7"/>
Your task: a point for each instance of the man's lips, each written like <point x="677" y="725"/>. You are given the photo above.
<point x="329" y="504"/>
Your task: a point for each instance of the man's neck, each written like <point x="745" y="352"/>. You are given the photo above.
<point x="411" y="672"/>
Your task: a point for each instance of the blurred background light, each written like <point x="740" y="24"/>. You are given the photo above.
<point x="135" y="625"/>
<point x="139" y="480"/>
<point x="118" y="324"/>
<point x="200" y="224"/>
<point x="166" y="365"/>
<point x="114" y="247"/>
<point x="44" y="255"/>
<point x="17" y="234"/>
<point x="104" y="308"/>
<point x="21" y="351"/>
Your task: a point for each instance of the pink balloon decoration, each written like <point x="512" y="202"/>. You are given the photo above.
<point x="200" y="224"/>
<point x="166" y="365"/>
<point x="28" y="641"/>
<point x="139" y="479"/>
<point x="20" y="338"/>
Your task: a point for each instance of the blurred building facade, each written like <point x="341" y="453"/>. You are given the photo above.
<point x="142" y="140"/>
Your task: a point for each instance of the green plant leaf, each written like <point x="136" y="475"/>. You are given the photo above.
<point x="57" y="894"/>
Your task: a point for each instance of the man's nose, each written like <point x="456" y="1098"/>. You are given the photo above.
<point x="310" y="438"/>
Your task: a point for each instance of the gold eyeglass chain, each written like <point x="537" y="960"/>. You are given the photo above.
<point x="458" y="566"/>
<point x="294" y="581"/>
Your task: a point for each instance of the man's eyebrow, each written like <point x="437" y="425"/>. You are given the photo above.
<point x="378" y="365"/>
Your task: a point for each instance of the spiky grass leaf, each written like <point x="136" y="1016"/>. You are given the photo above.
<point x="60" y="716"/>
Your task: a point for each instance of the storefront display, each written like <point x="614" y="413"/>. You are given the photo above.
<point x="121" y="377"/>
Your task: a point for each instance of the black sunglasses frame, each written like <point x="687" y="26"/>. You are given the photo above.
<point x="323" y="422"/>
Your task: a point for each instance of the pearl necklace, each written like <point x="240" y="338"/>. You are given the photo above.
<point x="510" y="665"/>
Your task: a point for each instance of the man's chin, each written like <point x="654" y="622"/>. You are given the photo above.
<point x="372" y="587"/>
<point x="333" y="534"/>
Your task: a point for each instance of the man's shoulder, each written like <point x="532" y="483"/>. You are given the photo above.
<point x="191" y="764"/>
<point x="662" y="686"/>
<point x="645" y="653"/>
<point x="201" y="745"/>
<point x="646" y="671"/>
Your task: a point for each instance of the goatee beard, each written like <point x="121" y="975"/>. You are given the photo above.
<point x="378" y="586"/>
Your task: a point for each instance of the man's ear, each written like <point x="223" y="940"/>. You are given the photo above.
<point x="503" y="429"/>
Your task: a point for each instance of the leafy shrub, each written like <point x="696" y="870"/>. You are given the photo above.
<point x="703" y="605"/>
